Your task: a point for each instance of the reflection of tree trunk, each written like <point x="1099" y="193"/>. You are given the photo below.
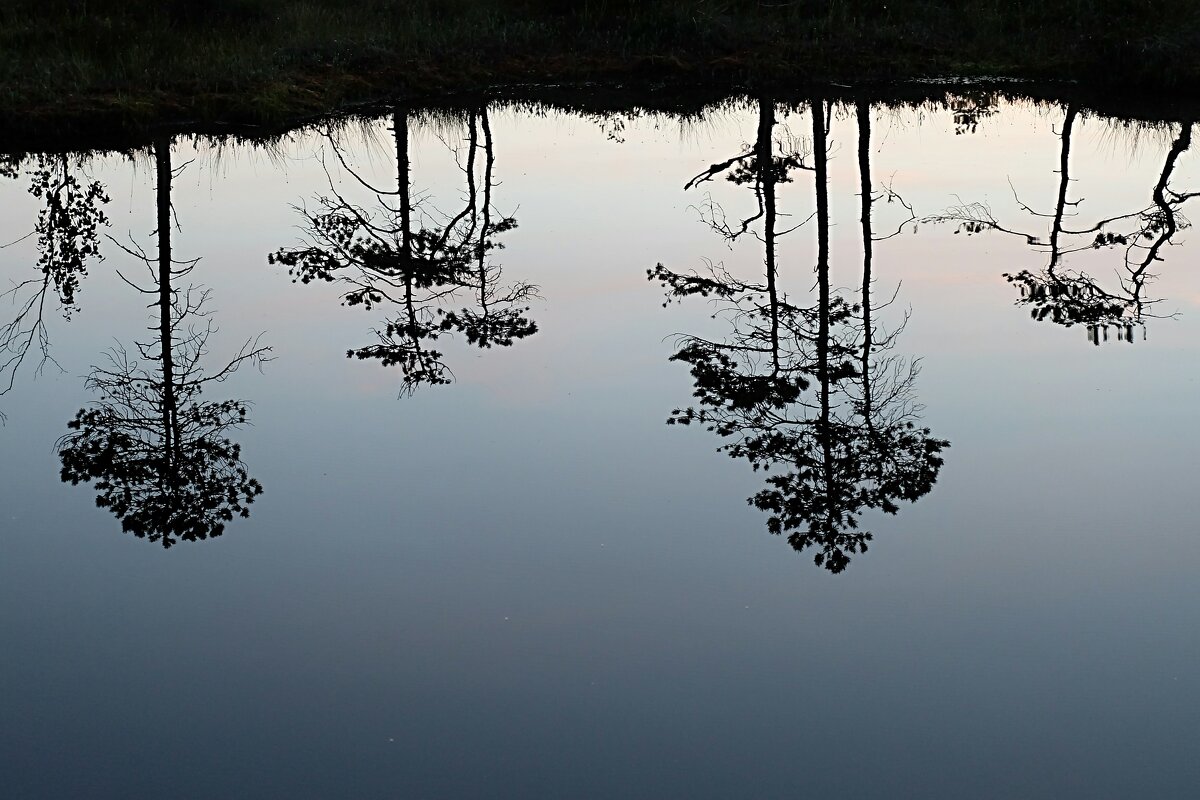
<point x="1064" y="167"/>
<point x="764" y="159"/>
<point x="1169" y="226"/>
<point x="821" y="168"/>
<point x="170" y="416"/>
<point x="400" y="126"/>
<point x="489" y="163"/>
<point x="470" y="212"/>
<point x="864" y="176"/>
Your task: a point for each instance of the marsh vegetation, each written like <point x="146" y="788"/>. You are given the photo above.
<point x="268" y="60"/>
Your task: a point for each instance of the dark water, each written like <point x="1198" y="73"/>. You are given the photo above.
<point x="471" y="560"/>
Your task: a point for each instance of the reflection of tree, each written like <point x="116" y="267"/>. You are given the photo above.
<point x="157" y="451"/>
<point x="439" y="276"/>
<point x="1072" y="297"/>
<point x="67" y="235"/>
<point x="808" y="394"/>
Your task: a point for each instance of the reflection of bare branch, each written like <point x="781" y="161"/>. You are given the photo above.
<point x="972" y="218"/>
<point x="889" y="195"/>
<point x="717" y="169"/>
<point x="27" y="329"/>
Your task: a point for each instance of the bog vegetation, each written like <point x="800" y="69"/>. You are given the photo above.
<point x="267" y="59"/>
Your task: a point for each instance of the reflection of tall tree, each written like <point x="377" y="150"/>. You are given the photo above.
<point x="1069" y="297"/>
<point x="67" y="235"/>
<point x="833" y="453"/>
<point x="438" y="276"/>
<point x="156" y="450"/>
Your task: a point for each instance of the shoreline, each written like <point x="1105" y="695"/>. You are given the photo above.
<point x="73" y="70"/>
<point x="109" y="130"/>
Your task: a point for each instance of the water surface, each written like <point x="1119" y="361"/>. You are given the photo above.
<point x="482" y="563"/>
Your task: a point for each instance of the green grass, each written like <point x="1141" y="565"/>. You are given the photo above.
<point x="70" y="61"/>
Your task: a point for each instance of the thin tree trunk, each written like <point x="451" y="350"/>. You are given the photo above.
<point x="400" y="127"/>
<point x="485" y="228"/>
<point x="1170" y="224"/>
<point x="864" y="179"/>
<point x="163" y="175"/>
<point x="822" y="191"/>
<point x="1064" y="170"/>
<point x="765" y="157"/>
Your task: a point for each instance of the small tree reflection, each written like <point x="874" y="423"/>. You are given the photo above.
<point x="158" y="453"/>
<point x="1071" y="297"/>
<point x="67" y="233"/>
<point x="807" y="393"/>
<point x="438" y="276"/>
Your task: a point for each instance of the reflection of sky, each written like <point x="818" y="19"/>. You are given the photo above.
<point x="526" y="585"/>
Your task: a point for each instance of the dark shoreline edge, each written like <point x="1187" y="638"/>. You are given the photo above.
<point x="110" y="131"/>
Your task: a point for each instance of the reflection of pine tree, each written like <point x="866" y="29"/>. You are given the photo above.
<point x="440" y="278"/>
<point x="67" y="235"/>
<point x="1072" y="297"/>
<point x="158" y="452"/>
<point x="806" y="393"/>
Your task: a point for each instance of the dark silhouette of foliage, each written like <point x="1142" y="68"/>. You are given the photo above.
<point x="158" y="453"/>
<point x="178" y="478"/>
<point x="808" y="394"/>
<point x="440" y="277"/>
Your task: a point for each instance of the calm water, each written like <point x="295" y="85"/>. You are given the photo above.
<point x="479" y="563"/>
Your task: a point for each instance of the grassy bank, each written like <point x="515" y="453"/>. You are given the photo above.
<point x="70" y="61"/>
